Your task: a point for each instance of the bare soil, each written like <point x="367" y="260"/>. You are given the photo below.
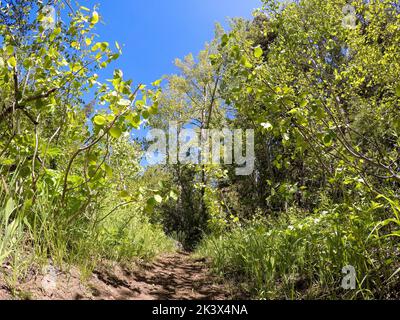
<point x="171" y="277"/>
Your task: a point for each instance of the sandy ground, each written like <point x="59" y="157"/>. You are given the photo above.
<point x="171" y="277"/>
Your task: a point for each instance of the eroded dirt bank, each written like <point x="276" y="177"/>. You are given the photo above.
<point x="173" y="277"/>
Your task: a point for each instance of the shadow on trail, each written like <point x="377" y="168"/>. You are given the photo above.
<point x="171" y="277"/>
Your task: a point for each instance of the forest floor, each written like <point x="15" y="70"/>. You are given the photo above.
<point x="177" y="276"/>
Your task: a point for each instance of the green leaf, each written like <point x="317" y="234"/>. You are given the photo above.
<point x="9" y="209"/>
<point x="12" y="62"/>
<point x="258" y="52"/>
<point x="398" y="90"/>
<point x="104" y="46"/>
<point x="57" y="31"/>
<point x="76" y="67"/>
<point x="286" y="137"/>
<point x="213" y="59"/>
<point x="134" y="120"/>
<point x="158" y="198"/>
<point x="124" y="102"/>
<point x="173" y="195"/>
<point x="118" y="74"/>
<point x="116" y="132"/>
<point x="153" y="110"/>
<point x="146" y="114"/>
<point x="157" y="83"/>
<point x="328" y="140"/>
<point x="10" y="50"/>
<point x="268" y="126"/>
<point x="99" y="120"/>
<point x="108" y="170"/>
<point x="293" y="111"/>
<point x="224" y="40"/>
<point x="151" y="202"/>
<point x="117" y="46"/>
<point x="246" y="63"/>
<point x="95" y="17"/>
<point x="124" y="194"/>
<point x="303" y="103"/>
<point x="96" y="46"/>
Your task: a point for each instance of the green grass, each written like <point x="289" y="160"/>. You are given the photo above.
<point x="38" y="237"/>
<point x="301" y="256"/>
<point x="129" y="234"/>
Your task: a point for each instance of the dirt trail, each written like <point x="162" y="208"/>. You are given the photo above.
<point x="171" y="277"/>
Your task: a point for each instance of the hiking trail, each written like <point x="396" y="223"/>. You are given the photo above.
<point x="177" y="276"/>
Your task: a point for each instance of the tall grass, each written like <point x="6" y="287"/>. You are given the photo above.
<point x="302" y="256"/>
<point x="39" y="233"/>
<point x="128" y="234"/>
<point x="10" y="230"/>
<point x="124" y="235"/>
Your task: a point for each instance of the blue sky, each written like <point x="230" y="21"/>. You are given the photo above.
<point x="155" y="32"/>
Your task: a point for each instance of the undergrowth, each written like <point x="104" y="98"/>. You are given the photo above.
<point x="302" y="256"/>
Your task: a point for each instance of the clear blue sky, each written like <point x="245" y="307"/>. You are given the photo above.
<point x="155" y="32"/>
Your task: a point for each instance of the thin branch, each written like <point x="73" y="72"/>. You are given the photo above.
<point x="84" y="148"/>
<point x="113" y="210"/>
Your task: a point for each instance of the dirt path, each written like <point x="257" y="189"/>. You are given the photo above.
<point x="171" y="277"/>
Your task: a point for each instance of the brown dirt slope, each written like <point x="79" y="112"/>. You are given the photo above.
<point x="171" y="277"/>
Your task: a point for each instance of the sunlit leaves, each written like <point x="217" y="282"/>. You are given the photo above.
<point x="398" y="90"/>
<point x="115" y="132"/>
<point x="76" y="67"/>
<point x="156" y="83"/>
<point x="133" y="120"/>
<point x="303" y="103"/>
<point x="99" y="120"/>
<point x="173" y="195"/>
<point x="328" y="140"/>
<point x="55" y="33"/>
<point x="214" y="59"/>
<point x="158" y="198"/>
<point x="118" y="47"/>
<point x="258" y="52"/>
<point x="224" y="40"/>
<point x="10" y="50"/>
<point x="153" y="110"/>
<point x="246" y="63"/>
<point x="12" y="62"/>
<point x="124" y="102"/>
<point x="64" y="145"/>
<point x="103" y="46"/>
<point x="95" y="18"/>
<point x="267" y="126"/>
<point x="108" y="170"/>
